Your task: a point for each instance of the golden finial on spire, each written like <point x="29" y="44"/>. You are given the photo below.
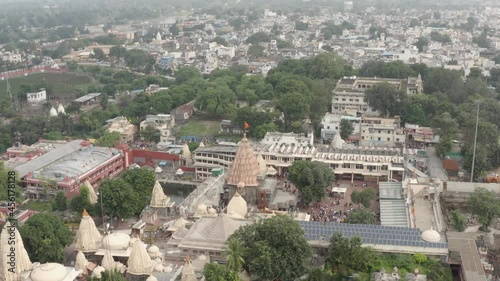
<point x="85" y="214"/>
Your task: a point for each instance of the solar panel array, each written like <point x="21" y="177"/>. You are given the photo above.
<point x="370" y="234"/>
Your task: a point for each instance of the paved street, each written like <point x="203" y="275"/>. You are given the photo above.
<point x="434" y="165"/>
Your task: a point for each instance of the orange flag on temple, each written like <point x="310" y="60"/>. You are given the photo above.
<point x="246" y="125"/>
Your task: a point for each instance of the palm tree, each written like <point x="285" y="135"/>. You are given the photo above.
<point x="234" y="255"/>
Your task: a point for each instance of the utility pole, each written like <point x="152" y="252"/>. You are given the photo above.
<point x="475" y="142"/>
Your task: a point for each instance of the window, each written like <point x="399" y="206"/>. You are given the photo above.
<point x="346" y="166"/>
<point x="359" y="166"/>
<point x="378" y="138"/>
<point x="397" y="139"/>
<point x="379" y="131"/>
<point x="343" y="99"/>
<point x="328" y="127"/>
<point x="362" y="138"/>
<point x="384" y="167"/>
<point x="388" y="139"/>
<point x="350" y="99"/>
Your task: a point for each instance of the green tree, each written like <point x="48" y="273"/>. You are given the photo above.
<point x="174" y="29"/>
<point x="326" y="65"/>
<point x="142" y="182"/>
<point x="117" y="52"/>
<point x="186" y="73"/>
<point x="311" y="178"/>
<point x="284" y="255"/>
<point x="150" y="134"/>
<point x="60" y="202"/>
<point x="118" y="199"/>
<point x="72" y="65"/>
<point x="301" y="25"/>
<point x="81" y="201"/>
<point x="221" y="41"/>
<point x="420" y="258"/>
<point x="361" y="216"/>
<point x="234" y="255"/>
<point x="193" y="146"/>
<point x="98" y="54"/>
<point x="386" y="99"/>
<point x="363" y="197"/>
<point x="216" y="272"/>
<point x="421" y="43"/>
<point x="256" y="51"/>
<point x="458" y="220"/>
<point x="45" y="236"/>
<point x="446" y="125"/>
<point x="109" y="139"/>
<point x="258" y="38"/>
<point x="137" y="59"/>
<point x="218" y="100"/>
<point x="6" y="178"/>
<point x="444" y="146"/>
<point x="484" y="205"/>
<point x="346" y="255"/>
<point x="295" y="107"/>
<point x="261" y="130"/>
<point x="346" y="129"/>
<point x="414" y="114"/>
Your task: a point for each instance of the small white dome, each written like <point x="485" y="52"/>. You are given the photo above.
<point x="153" y="249"/>
<point x="152" y="278"/>
<point x="159" y="267"/>
<point x="49" y="272"/>
<point x="202" y="209"/>
<point x="97" y="272"/>
<point x="211" y="211"/>
<point x="240" y="184"/>
<point x="116" y="241"/>
<point x="202" y="258"/>
<point x="431" y="235"/>
<point x="168" y="269"/>
<point x="201" y="144"/>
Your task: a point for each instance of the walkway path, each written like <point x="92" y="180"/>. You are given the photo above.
<point x="434" y="165"/>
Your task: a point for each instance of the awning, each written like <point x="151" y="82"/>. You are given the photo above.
<point x="339" y="189"/>
<point x="163" y="163"/>
<point x="179" y="172"/>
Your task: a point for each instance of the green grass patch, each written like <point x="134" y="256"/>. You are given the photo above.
<point x="40" y="206"/>
<point x="199" y="128"/>
<point x="58" y="83"/>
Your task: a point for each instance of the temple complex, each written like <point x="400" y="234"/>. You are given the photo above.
<point x="92" y="193"/>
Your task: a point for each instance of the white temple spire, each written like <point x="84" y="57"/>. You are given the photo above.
<point x="88" y="238"/>
<point x="158" y="198"/>
<point x="22" y="260"/>
<point x="92" y="194"/>
<point x="139" y="262"/>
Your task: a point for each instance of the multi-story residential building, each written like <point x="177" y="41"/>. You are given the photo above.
<point x="382" y="132"/>
<point x="349" y="95"/>
<point x="37" y="97"/>
<point x="163" y="122"/>
<point x="360" y="163"/>
<point x="226" y="51"/>
<point x="122" y="126"/>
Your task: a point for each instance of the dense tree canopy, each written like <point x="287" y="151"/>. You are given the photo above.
<point x="284" y="255"/>
<point x="386" y="99"/>
<point x="118" y="199"/>
<point x="347" y="256"/>
<point x="361" y="216"/>
<point x="45" y="236"/>
<point x="485" y="206"/>
<point x="217" y="272"/>
<point x="311" y="178"/>
<point x="142" y="182"/>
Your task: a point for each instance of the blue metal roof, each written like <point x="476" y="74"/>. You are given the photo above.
<point x="370" y="234"/>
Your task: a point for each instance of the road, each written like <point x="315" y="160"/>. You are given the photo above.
<point x="434" y="165"/>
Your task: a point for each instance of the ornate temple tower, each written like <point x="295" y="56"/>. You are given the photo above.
<point x="244" y="171"/>
<point x="22" y="260"/>
<point x="88" y="238"/>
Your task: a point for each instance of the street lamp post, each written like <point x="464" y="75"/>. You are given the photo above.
<point x="102" y="214"/>
<point x="475" y="142"/>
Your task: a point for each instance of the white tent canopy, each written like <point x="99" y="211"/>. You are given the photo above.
<point x="158" y="170"/>
<point x="179" y="172"/>
<point x="339" y="189"/>
<point x="271" y="171"/>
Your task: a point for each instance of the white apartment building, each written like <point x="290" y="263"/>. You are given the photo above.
<point x="330" y="125"/>
<point x="37" y="97"/>
<point x="357" y="163"/>
<point x="163" y="122"/>
<point x="11" y="57"/>
<point x="348" y="96"/>
<point x="382" y="132"/>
